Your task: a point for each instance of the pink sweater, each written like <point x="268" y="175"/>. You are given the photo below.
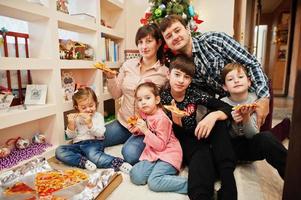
<point x="128" y="79"/>
<point x="161" y="143"/>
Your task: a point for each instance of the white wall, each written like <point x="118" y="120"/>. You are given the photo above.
<point x="216" y="14"/>
<point x="134" y="11"/>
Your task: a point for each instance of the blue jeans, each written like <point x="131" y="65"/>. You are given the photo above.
<point x="76" y="154"/>
<point x="118" y="134"/>
<point x="160" y="176"/>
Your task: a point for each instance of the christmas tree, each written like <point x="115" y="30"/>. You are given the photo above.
<point x="160" y="8"/>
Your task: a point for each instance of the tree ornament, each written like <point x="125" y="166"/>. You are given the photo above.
<point x="147" y="15"/>
<point x="184" y="16"/>
<point x="162" y="7"/>
<point x="191" y="10"/>
<point x="158" y="12"/>
<point x="197" y="20"/>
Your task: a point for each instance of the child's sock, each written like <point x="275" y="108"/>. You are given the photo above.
<point x="125" y="167"/>
<point x="118" y="164"/>
<point x="90" y="165"/>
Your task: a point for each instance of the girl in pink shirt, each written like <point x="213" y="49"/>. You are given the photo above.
<point x="161" y="158"/>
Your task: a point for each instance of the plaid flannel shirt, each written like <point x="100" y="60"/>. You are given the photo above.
<point x="212" y="51"/>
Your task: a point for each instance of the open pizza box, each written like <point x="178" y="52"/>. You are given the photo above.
<point x="37" y="180"/>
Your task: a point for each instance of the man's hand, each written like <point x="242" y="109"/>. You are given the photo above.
<point x="262" y="110"/>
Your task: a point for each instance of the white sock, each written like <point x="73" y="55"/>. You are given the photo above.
<point x="125" y="167"/>
<point x="90" y="165"/>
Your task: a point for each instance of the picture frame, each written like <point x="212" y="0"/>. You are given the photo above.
<point x="35" y="94"/>
<point x="5" y="101"/>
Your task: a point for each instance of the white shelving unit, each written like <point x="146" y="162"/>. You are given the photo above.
<point x="44" y="23"/>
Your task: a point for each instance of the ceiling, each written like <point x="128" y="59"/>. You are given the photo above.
<point x="269" y="6"/>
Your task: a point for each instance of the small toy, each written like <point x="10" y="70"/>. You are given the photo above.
<point x="38" y="138"/>
<point x="22" y="143"/>
<point x="19" y="143"/>
<point x="4" y="151"/>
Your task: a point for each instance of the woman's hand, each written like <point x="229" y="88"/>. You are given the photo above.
<point x="109" y="75"/>
<point x="205" y="126"/>
<point x="262" y="110"/>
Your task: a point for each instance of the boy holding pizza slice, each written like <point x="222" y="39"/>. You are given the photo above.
<point x="206" y="145"/>
<point x="247" y="143"/>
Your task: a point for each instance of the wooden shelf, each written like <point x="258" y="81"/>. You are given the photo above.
<point x="72" y="23"/>
<point x="76" y="64"/>
<point x="26" y="63"/>
<point x="67" y="105"/>
<point x="106" y="96"/>
<point x="111" y="33"/>
<point x="24" y="10"/>
<point x="112" y="5"/>
<point x="17" y="115"/>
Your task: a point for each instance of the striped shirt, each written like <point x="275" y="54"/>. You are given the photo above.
<point x="212" y="51"/>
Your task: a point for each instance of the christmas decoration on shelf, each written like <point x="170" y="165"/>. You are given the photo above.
<point x="3" y="32"/>
<point x="160" y="8"/>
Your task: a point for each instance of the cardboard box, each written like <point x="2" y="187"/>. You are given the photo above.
<point x="115" y="181"/>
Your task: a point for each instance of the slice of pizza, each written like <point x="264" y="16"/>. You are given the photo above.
<point x="132" y="121"/>
<point x="174" y="109"/>
<point x="105" y="68"/>
<point x="240" y="106"/>
<point x="19" y="188"/>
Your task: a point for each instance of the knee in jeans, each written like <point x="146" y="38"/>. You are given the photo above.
<point x="59" y="152"/>
<point x="153" y="184"/>
<point x="129" y="154"/>
<point x="136" y="177"/>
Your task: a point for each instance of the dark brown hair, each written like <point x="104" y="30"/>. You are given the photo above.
<point x="152" y="86"/>
<point x="230" y="67"/>
<point x="169" y="20"/>
<point x="154" y="31"/>
<point x="184" y="64"/>
<point x="83" y="93"/>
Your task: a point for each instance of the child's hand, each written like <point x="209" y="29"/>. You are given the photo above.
<point x="71" y="120"/>
<point x="87" y="118"/>
<point x="133" y="129"/>
<point x="205" y="126"/>
<point x="237" y="116"/>
<point x="141" y="125"/>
